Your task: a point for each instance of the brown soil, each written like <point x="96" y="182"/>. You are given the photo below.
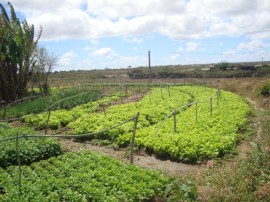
<point x="16" y="124"/>
<point x="141" y="159"/>
<point x="134" y="98"/>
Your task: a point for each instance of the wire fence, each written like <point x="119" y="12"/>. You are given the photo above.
<point x="50" y="108"/>
<point x="175" y="111"/>
<point x="134" y="119"/>
<point x="17" y="138"/>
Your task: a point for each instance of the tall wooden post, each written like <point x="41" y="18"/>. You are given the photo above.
<point x="150" y="71"/>
<point x="133" y="137"/>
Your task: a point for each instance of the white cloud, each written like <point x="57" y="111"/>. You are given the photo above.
<point x="106" y="52"/>
<point x="251" y="46"/>
<point x="94" y="41"/>
<point x="174" y="56"/>
<point x="87" y="48"/>
<point x="66" y="58"/>
<point x="180" y="49"/>
<point x="192" y="46"/>
<point x="229" y="53"/>
<point x="177" y="19"/>
<point x="87" y="62"/>
<point x="133" y="40"/>
<point x="45" y="6"/>
<point x="133" y="8"/>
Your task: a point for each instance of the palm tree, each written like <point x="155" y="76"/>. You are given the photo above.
<point x="17" y="45"/>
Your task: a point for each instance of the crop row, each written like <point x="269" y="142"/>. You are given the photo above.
<point x="39" y="104"/>
<point x="153" y="109"/>
<point x="30" y="150"/>
<point x="81" y="176"/>
<point x="196" y="138"/>
<point x="62" y="117"/>
<point x="201" y="133"/>
<point x="202" y="137"/>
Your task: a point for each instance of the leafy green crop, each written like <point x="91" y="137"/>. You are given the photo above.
<point x="30" y="150"/>
<point x="62" y="117"/>
<point x="82" y="176"/>
<point x="42" y="103"/>
<point x="211" y="136"/>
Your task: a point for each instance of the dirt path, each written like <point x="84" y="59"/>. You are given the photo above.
<point x="140" y="159"/>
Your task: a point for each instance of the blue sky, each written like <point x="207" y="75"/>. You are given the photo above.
<point x="98" y="34"/>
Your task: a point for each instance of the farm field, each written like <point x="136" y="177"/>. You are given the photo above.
<point x="185" y="123"/>
<point x="129" y="103"/>
<point x="200" y="112"/>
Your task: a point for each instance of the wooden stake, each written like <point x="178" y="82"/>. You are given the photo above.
<point x="161" y="92"/>
<point x="211" y="105"/>
<point x="217" y="99"/>
<point x="104" y="110"/>
<point x="133" y="137"/>
<point x="19" y="164"/>
<point x="5" y="112"/>
<point x="48" y="120"/>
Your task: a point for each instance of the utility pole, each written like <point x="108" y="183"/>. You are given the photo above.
<point x="150" y="72"/>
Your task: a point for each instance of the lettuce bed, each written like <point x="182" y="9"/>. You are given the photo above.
<point x="30" y="150"/>
<point x="81" y="176"/>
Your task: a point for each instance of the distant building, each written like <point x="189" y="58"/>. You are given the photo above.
<point x="207" y="69"/>
<point x="110" y="76"/>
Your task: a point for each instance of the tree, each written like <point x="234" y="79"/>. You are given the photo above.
<point x="222" y="65"/>
<point x="17" y="46"/>
<point x="44" y="64"/>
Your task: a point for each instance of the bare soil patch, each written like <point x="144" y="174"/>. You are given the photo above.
<point x="140" y="159"/>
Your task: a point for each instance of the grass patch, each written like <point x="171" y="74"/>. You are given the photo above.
<point x="246" y="180"/>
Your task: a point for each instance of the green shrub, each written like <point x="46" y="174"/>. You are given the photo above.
<point x="265" y="90"/>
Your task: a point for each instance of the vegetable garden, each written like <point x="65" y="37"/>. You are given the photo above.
<point x="200" y="123"/>
<point x="82" y="176"/>
<point x="184" y="123"/>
